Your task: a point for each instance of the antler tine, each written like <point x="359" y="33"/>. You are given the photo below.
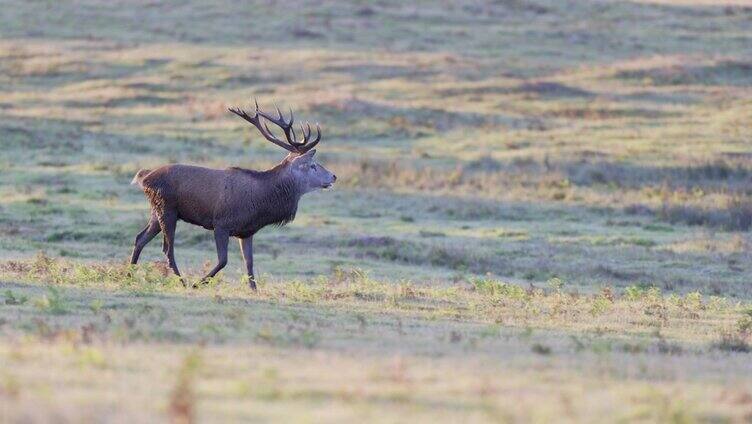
<point x="263" y="128"/>
<point x="313" y="143"/>
<point x="294" y="139"/>
<point x="285" y="125"/>
<point x="281" y="118"/>
<point x="266" y="127"/>
<point x="308" y="143"/>
<point x="279" y="121"/>
<point x="292" y="145"/>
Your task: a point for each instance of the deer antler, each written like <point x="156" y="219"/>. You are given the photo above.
<point x="292" y="144"/>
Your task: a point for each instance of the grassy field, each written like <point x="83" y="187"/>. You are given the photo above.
<point x="542" y="212"/>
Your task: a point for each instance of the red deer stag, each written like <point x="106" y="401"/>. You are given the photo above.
<point x="233" y="202"/>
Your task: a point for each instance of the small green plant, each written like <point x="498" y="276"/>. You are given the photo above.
<point x="633" y="293"/>
<point x="693" y="300"/>
<point x="300" y="291"/>
<point x="653" y="294"/>
<point x="555" y="284"/>
<point x="744" y="324"/>
<point x="210" y="331"/>
<point x="600" y="305"/>
<point x="266" y="334"/>
<point x="13" y="299"/>
<point x="309" y="338"/>
<point x="499" y="289"/>
<point x="96" y="305"/>
<point x="642" y="292"/>
<point x="52" y="302"/>
<point x="717" y="303"/>
<point x="43" y="264"/>
<point x="737" y="339"/>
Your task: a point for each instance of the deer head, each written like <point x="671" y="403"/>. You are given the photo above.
<point x="307" y="173"/>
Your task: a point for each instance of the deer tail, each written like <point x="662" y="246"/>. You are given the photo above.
<point x="138" y="178"/>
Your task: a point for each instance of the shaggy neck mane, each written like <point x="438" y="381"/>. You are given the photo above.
<point x="276" y="195"/>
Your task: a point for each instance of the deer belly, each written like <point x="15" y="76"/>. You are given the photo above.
<point x="241" y="227"/>
<point x="196" y="216"/>
<point x="243" y="230"/>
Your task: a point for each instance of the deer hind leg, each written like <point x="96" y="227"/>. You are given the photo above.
<point x="221" y="238"/>
<point x="144" y="237"/>
<point x="168" y="220"/>
<point x="246" y="248"/>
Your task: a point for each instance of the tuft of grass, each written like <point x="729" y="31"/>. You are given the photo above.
<point x="737" y="339"/>
<point x="731" y="341"/>
<point x="601" y="305"/>
<point x="14" y="299"/>
<point x="483" y="299"/>
<point x="642" y="292"/>
<point x="498" y="289"/>
<point x="53" y="302"/>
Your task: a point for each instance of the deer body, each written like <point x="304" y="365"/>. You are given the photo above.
<point x="241" y="201"/>
<point x="232" y="202"/>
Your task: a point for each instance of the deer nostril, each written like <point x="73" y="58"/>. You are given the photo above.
<point x="334" y="177"/>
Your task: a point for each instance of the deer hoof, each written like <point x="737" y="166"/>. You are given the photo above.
<point x="203" y="282"/>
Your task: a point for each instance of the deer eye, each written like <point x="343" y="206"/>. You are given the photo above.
<point x="313" y="166"/>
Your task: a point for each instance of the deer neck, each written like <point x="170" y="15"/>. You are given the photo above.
<point x="279" y="202"/>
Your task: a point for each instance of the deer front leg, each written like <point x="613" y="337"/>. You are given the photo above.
<point x="246" y="247"/>
<point x="221" y="238"/>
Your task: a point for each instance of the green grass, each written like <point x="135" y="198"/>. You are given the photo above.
<point x="345" y="345"/>
<point x="542" y="212"/>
